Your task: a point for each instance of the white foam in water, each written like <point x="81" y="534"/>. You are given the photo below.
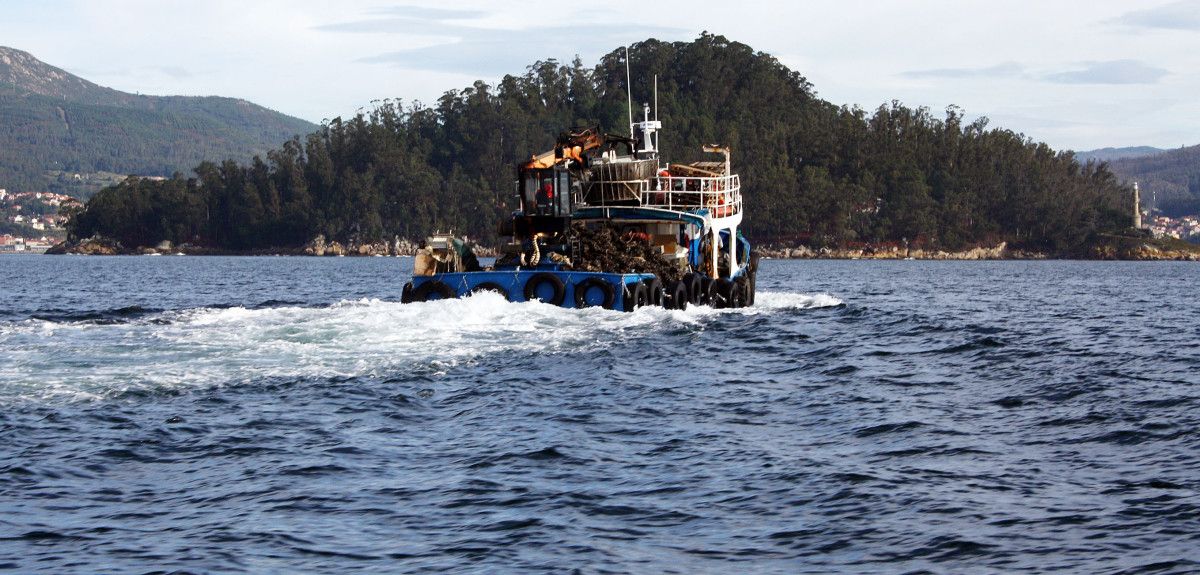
<point x="210" y="347"/>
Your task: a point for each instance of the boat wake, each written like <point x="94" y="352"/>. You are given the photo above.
<point x="83" y="358"/>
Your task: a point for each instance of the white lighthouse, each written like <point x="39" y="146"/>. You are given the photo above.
<point x="1137" y="208"/>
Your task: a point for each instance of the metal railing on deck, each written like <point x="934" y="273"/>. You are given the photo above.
<point x="721" y="196"/>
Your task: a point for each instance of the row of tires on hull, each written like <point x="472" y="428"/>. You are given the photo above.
<point x="693" y="289"/>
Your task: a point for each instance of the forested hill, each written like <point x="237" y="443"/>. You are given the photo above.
<point x="1112" y="154"/>
<point x="1169" y="181"/>
<point x="811" y="171"/>
<point x="53" y="121"/>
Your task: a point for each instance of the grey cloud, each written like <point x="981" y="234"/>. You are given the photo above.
<point x="1111" y="72"/>
<point x="421" y="13"/>
<point x="487" y="51"/>
<point x="1007" y="69"/>
<point x="395" y="26"/>
<point x="1183" y="15"/>
<point x="406" y="20"/>
<point x="495" y="52"/>
<point x="174" y="72"/>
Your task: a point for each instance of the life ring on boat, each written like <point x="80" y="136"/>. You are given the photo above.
<point x="406" y="294"/>
<point x="582" y="288"/>
<point x="693" y="284"/>
<point x="492" y="287"/>
<point x="654" y="291"/>
<point x="677" y="296"/>
<point x="535" y="282"/>
<point x="432" y="288"/>
<point x="635" y="295"/>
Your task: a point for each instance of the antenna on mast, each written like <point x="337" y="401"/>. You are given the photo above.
<point x="628" y="92"/>
<point x="657" y="137"/>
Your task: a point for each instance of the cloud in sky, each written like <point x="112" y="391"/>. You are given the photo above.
<point x="1111" y="72"/>
<point x="1108" y="72"/>
<point x="1005" y="70"/>
<point x="424" y="13"/>
<point x="466" y="48"/>
<point x="497" y="52"/>
<point x="1183" y="15"/>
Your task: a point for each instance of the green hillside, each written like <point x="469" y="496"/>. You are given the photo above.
<point x="52" y="121"/>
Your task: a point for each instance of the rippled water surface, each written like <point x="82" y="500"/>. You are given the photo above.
<point x="283" y="415"/>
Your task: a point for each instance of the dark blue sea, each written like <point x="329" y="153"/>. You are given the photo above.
<point x="289" y="415"/>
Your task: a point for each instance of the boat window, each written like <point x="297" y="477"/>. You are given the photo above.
<point x="563" y="193"/>
<point x="546" y="193"/>
<point x="529" y="193"/>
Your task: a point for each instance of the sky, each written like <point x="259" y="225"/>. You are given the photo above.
<point x="1075" y="74"/>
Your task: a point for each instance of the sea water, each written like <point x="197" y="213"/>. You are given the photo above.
<point x="283" y="415"/>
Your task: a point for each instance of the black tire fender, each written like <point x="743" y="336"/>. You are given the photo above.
<point x="677" y="296"/>
<point x="581" y="289"/>
<point x="531" y="286"/>
<point x="708" y="291"/>
<point x="654" y="291"/>
<point x="429" y="288"/>
<point x="722" y="293"/>
<point x="406" y="294"/>
<point x="635" y="295"/>
<point x="740" y="293"/>
<point x="694" y="286"/>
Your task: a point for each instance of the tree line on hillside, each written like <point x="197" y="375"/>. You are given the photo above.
<point x="811" y="171"/>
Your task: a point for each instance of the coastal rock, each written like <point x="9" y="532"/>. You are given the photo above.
<point x="403" y="247"/>
<point x="335" y="249"/>
<point x="885" y="252"/>
<point x="97" y="247"/>
<point x="315" y="246"/>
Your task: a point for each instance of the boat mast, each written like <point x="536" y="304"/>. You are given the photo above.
<point x="657" y="136"/>
<point x="628" y="92"/>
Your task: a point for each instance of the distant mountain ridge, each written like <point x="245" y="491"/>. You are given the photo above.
<point x="54" y="121"/>
<point x="1169" y="181"/>
<point x="1110" y="154"/>
<point x="21" y="74"/>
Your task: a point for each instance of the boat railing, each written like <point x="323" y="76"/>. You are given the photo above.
<point x="721" y="196"/>
<point x="612" y="192"/>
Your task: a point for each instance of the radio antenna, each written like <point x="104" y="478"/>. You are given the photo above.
<point x="628" y="92"/>
<point x="657" y="136"/>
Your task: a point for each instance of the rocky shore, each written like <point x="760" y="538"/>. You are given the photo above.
<point x="1105" y="248"/>
<point x="318" y="246"/>
<point x="1133" y="247"/>
<point x="998" y="252"/>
